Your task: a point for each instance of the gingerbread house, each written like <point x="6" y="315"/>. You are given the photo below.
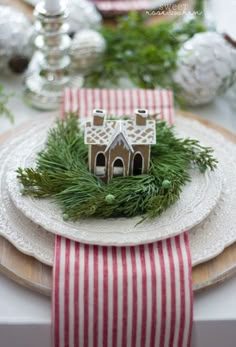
<point x="119" y="147"/>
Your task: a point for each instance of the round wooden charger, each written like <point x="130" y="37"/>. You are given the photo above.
<point x="32" y="274"/>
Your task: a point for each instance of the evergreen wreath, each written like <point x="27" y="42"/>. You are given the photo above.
<point x="62" y="174"/>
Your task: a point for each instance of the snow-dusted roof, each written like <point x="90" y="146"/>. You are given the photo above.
<point x="132" y="133"/>
<point x="119" y="136"/>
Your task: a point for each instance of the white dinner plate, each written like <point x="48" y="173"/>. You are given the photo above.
<point x="197" y="200"/>
<point x="207" y="240"/>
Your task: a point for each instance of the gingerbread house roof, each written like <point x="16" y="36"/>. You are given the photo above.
<point x="128" y="129"/>
<point x="119" y="136"/>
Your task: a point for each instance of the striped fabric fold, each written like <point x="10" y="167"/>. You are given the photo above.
<point x="119" y="102"/>
<point x="121" y="6"/>
<point x="122" y="296"/>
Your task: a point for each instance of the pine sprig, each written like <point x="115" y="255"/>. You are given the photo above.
<point x="146" y="55"/>
<point x="62" y="174"/>
<point x="64" y="148"/>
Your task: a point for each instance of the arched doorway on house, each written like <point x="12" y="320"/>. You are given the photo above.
<point x="137" y="164"/>
<point x="100" y="165"/>
<point x="118" y="168"/>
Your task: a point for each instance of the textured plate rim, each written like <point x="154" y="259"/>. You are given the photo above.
<point x="213" y="254"/>
<point x="126" y="239"/>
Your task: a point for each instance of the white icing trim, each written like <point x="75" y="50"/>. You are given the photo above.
<point x="142" y="112"/>
<point x="99" y="113"/>
<point x="129" y="129"/>
<point x="119" y="135"/>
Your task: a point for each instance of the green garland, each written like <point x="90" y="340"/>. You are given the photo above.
<point x="146" y="55"/>
<point x="199" y="8"/>
<point x="62" y="174"/>
<point x="4" y="99"/>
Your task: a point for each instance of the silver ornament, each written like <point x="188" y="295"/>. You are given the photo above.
<point x="206" y="67"/>
<point x="86" y="50"/>
<point x="230" y="97"/>
<point x="82" y="15"/>
<point x="16" y="40"/>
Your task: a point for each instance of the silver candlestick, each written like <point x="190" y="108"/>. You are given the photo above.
<point x="48" y="74"/>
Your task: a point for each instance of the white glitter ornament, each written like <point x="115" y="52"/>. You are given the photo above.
<point x="16" y="40"/>
<point x="86" y="50"/>
<point x="82" y="15"/>
<point x="206" y="67"/>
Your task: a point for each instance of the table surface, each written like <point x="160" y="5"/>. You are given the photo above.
<point x="25" y="317"/>
<point x="31" y="311"/>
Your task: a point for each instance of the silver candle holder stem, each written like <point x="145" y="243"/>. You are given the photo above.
<point x="49" y="71"/>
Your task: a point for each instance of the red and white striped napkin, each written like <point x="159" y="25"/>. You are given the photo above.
<point x="123" y="6"/>
<point x="118" y="102"/>
<point x="122" y="296"/>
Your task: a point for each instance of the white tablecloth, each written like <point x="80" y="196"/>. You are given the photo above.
<point x="25" y="317"/>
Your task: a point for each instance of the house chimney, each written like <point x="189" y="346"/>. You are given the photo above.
<point x="141" y="116"/>
<point x="98" y="117"/>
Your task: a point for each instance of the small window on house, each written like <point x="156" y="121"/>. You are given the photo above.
<point x="118" y="168"/>
<point x="137" y="164"/>
<point x="100" y="165"/>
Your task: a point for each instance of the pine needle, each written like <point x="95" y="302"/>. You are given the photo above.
<point x="62" y="174"/>
<point x="144" y="54"/>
